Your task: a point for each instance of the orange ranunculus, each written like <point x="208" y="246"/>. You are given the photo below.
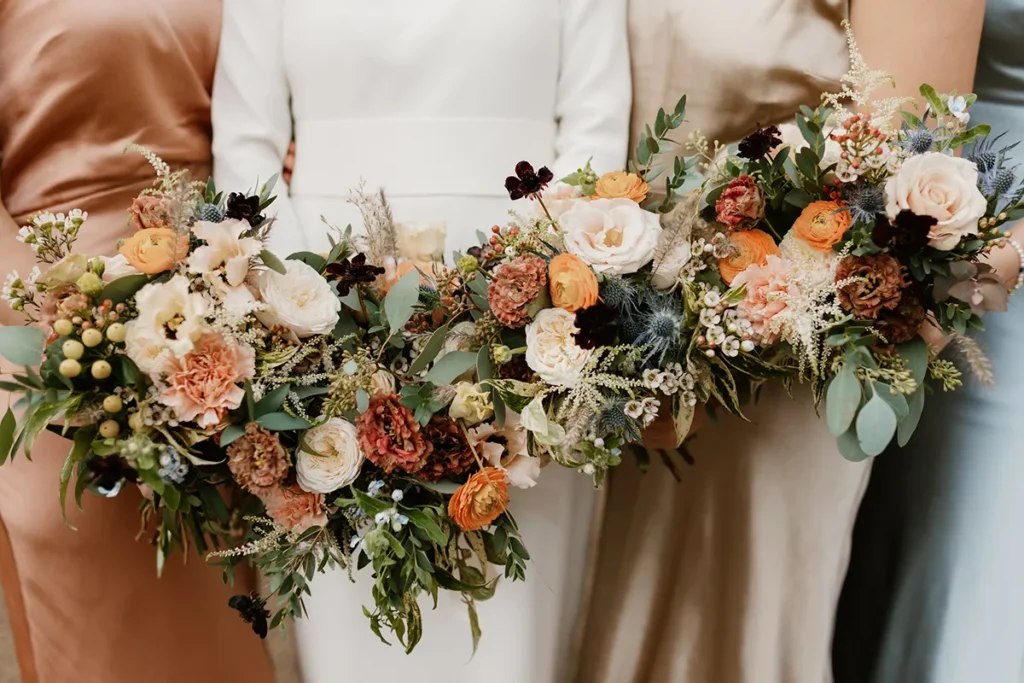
<point x="619" y="184"/>
<point x="572" y="283"/>
<point x="154" y="250"/>
<point x="822" y="224"/>
<point x="750" y="247"/>
<point x="479" y="501"/>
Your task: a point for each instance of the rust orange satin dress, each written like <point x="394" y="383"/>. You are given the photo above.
<point x="79" y="80"/>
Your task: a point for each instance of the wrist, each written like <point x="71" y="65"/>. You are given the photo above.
<point x="1013" y="273"/>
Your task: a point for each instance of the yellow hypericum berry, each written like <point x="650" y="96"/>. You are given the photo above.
<point x="73" y="349"/>
<point x="70" y="368"/>
<point x="116" y="333"/>
<point x="109" y="429"/>
<point x="63" y="327"/>
<point x="135" y="421"/>
<point x="113" y="404"/>
<point x="92" y="337"/>
<point x="101" y="369"/>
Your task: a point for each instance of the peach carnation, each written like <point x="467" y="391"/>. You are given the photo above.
<point x="257" y="460"/>
<point x="204" y="385"/>
<point x="391" y="437"/>
<point x="294" y="508"/>
<point x="515" y="286"/>
<point x="769" y="288"/>
<point x="479" y="501"/>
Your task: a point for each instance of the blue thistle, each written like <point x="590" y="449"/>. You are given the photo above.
<point x="614" y="420"/>
<point x="663" y="329"/>
<point x="619" y="294"/>
<point x="211" y="213"/>
<point x="631" y="327"/>
<point x="1005" y="179"/>
<point x="919" y="141"/>
<point x="867" y="202"/>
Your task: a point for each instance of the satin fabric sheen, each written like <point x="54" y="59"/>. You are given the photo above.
<point x="80" y="81"/>
<point x="731" y="575"/>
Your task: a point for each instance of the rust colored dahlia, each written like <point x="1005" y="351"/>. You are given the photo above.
<point x="451" y="456"/>
<point x="391" y="437"/>
<point x="878" y="283"/>
<point x="257" y="460"/>
<point x="515" y="286"/>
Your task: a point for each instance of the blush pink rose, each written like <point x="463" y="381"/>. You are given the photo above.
<point x="769" y="288"/>
<point x="204" y="385"/>
<point x="741" y="204"/>
<point x="294" y="508"/>
<point x="149" y="211"/>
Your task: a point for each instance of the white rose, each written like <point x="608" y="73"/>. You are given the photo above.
<point x="116" y="267"/>
<point x="940" y="186"/>
<point x="812" y="268"/>
<point x="551" y="350"/>
<point x="614" y="236"/>
<point x="421" y="241"/>
<point x="471" y="404"/>
<point x="170" y="315"/>
<point x="300" y="300"/>
<point x="336" y="459"/>
<point x="667" y="268"/>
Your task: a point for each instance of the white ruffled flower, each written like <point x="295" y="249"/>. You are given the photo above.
<point x="811" y="267"/>
<point x="334" y="458"/>
<point x="551" y="350"/>
<point x="146" y="350"/>
<point x="558" y="198"/>
<point x="613" y="236"/>
<point x="943" y="187"/>
<point x="382" y="382"/>
<point x="514" y="457"/>
<point x="170" y="315"/>
<point x="300" y="300"/>
<point x="225" y="256"/>
<point x="116" y="267"/>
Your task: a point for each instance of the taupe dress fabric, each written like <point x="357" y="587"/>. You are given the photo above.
<point x="78" y="82"/>
<point x="732" y="575"/>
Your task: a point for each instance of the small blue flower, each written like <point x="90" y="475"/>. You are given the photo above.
<point x="397" y="495"/>
<point x="401" y="520"/>
<point x="173" y="467"/>
<point x="958" y="108"/>
<point x="382" y="518"/>
<point x="374" y="488"/>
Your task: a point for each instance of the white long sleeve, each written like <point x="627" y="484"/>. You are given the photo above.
<point x="251" y="113"/>
<point x="594" y="87"/>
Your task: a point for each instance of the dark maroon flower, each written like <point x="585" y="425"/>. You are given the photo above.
<point x="763" y="140"/>
<point x="907" y="234"/>
<point x="253" y="611"/>
<point x="244" y="208"/>
<point x="526" y="183"/>
<point x="596" y="326"/>
<point x="349" y="273"/>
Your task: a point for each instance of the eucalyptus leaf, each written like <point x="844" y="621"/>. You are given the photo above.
<point x="22" y="345"/>
<point x="905" y="429"/>
<point x="362" y="400"/>
<point x="401" y="300"/>
<point x="7" y="427"/>
<point x="450" y="366"/>
<point x="230" y="434"/>
<point x="271" y="261"/>
<point x="842" y="399"/>
<point x="314" y="261"/>
<point x="849" y="447"/>
<point x="370" y="505"/>
<point x="430" y="350"/>
<point x="876" y="425"/>
<point x="896" y="401"/>
<point x="273" y="401"/>
<point x="282" y="422"/>
<point x="444" y="486"/>
<point x="79" y="451"/>
<point x="915" y="355"/>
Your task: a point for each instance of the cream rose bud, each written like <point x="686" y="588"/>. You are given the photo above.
<point x="943" y="187"/>
<point x="300" y="300"/>
<point x="668" y="266"/>
<point x="115" y="267"/>
<point x="551" y="350"/>
<point x="421" y="241"/>
<point x="614" y="236"/>
<point x="471" y="404"/>
<point x="333" y="459"/>
<point x="382" y="382"/>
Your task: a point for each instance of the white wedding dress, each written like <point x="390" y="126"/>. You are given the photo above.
<point x="435" y="101"/>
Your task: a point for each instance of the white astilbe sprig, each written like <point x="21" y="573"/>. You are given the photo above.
<point x="857" y="84"/>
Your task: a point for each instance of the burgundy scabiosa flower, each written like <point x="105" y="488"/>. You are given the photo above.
<point x="907" y="234"/>
<point x="526" y="182"/>
<point x="350" y="272"/>
<point x="763" y="140"/>
<point x="243" y="208"/>
<point x="596" y="326"/>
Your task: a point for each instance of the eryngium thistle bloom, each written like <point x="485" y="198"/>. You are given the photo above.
<point x="662" y="329"/>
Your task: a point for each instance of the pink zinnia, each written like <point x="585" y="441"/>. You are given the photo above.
<point x="205" y="384"/>
<point x="768" y="290"/>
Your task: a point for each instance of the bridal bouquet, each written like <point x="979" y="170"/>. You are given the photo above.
<point x="303" y="413"/>
<point x="848" y="237"/>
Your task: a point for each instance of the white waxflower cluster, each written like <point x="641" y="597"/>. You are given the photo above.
<point x="670" y="380"/>
<point x="644" y="410"/>
<point x="17" y="291"/>
<point x="726" y="329"/>
<point x="50" y="235"/>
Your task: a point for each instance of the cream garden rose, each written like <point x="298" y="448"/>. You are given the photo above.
<point x="421" y="241"/>
<point x="300" y="300"/>
<point x="940" y="186"/>
<point x="471" y="404"/>
<point x="335" y="459"/>
<point x="614" y="236"/>
<point x="551" y="350"/>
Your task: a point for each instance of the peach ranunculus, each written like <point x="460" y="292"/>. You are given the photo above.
<point x="479" y="501"/>
<point x="150" y="211"/>
<point x="154" y="250"/>
<point x="295" y="509"/>
<point x="619" y="184"/>
<point x="769" y="290"/>
<point x="205" y="384"/>
<point x="572" y="283"/>
<point x="750" y="247"/>
<point x="822" y="224"/>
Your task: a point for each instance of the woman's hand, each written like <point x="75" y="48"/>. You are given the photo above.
<point x="289" y="164"/>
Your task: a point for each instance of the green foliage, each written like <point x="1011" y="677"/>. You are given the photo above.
<point x="400" y="302"/>
<point x="420" y="398"/>
<point x="450" y="366"/>
<point x="22" y="345"/>
<point x="271" y="261"/>
<point x="123" y="288"/>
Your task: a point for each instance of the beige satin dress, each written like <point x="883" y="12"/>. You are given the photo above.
<point x="733" y="575"/>
<point x="79" y="80"/>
